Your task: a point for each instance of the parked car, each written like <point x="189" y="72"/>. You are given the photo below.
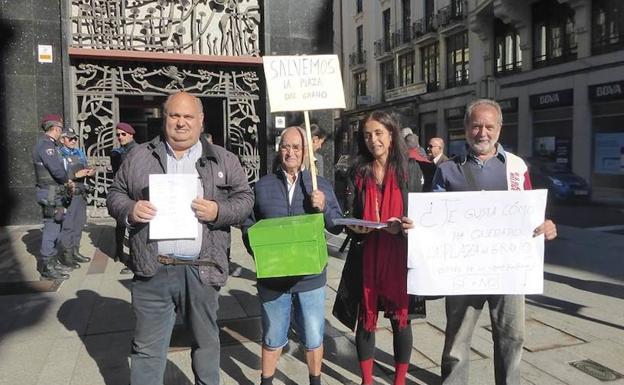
<point x="561" y="182"/>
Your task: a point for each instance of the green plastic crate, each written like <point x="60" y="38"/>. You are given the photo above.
<point x="289" y="246"/>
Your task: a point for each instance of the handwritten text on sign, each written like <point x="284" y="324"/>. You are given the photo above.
<point x="303" y="83"/>
<point x="477" y="242"/>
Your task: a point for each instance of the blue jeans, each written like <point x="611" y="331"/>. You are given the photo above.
<point x="507" y="318"/>
<point x="155" y="301"/>
<point x="309" y="316"/>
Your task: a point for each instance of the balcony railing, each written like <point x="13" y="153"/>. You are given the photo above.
<point x="357" y="59"/>
<point x="402" y="36"/>
<point x="424" y="26"/>
<point x="451" y="14"/>
<point x="383" y="46"/>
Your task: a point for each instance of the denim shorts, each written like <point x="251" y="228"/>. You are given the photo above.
<point x="308" y="308"/>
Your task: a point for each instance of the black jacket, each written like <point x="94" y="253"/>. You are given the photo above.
<point x="224" y="181"/>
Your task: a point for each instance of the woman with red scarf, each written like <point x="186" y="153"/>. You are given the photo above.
<point x="375" y="274"/>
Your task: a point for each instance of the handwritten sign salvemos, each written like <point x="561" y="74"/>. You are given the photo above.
<point x="477" y="242"/>
<point x="303" y="83"/>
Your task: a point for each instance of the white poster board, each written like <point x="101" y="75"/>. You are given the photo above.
<point x="173" y="194"/>
<point x="477" y="242"/>
<point x="303" y="83"/>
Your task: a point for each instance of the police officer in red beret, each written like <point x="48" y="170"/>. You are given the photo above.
<point x="53" y="188"/>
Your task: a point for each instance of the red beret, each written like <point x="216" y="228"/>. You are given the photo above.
<point x="51" y="120"/>
<point x="125" y="127"/>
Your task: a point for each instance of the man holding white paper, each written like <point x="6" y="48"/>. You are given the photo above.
<point x="179" y="267"/>
<point x="486" y="167"/>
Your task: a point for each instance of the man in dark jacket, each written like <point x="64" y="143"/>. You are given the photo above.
<point x="285" y="193"/>
<point x="125" y="136"/>
<point x="52" y="187"/>
<point x="179" y="274"/>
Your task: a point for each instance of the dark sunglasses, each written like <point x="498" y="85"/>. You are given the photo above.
<point x="121" y="134"/>
<point x="73" y="139"/>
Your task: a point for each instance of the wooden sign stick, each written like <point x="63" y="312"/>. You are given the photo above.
<point x="306" y="116"/>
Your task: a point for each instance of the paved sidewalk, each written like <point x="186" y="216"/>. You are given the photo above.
<point x="80" y="334"/>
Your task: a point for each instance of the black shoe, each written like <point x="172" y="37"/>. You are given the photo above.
<point x="79" y="257"/>
<point x="56" y="265"/>
<point x="67" y="259"/>
<point x="49" y="272"/>
<point x="125" y="270"/>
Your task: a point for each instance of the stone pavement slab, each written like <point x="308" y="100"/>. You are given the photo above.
<point x="81" y="333"/>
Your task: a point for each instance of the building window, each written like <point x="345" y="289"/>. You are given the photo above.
<point x="385" y="22"/>
<point x="406" y="21"/>
<point x="429" y="16"/>
<point x="607" y="25"/>
<point x="406" y="69"/>
<point x="554" y="39"/>
<point x="457" y="60"/>
<point x="358" y="57"/>
<point x="358" y="6"/>
<point x="359" y="81"/>
<point x="507" y="47"/>
<point x="387" y="75"/>
<point x="458" y="9"/>
<point x="359" y="32"/>
<point x="430" y="63"/>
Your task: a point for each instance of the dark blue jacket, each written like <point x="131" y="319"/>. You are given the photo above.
<point x="272" y="202"/>
<point x="48" y="162"/>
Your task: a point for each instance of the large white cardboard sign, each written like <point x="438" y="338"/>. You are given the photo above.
<point x="477" y="242"/>
<point x="303" y="83"/>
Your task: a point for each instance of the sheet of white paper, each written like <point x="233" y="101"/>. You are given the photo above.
<point x="359" y="222"/>
<point x="477" y="242"/>
<point x="172" y="194"/>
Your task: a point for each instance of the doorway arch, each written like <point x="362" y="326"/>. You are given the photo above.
<point x="98" y="86"/>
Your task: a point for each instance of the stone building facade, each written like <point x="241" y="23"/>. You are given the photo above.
<point x="99" y="62"/>
<point x="556" y="67"/>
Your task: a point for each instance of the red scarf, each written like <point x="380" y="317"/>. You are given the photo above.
<point x="385" y="255"/>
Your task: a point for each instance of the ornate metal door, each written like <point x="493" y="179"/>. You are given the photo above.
<point x="98" y="86"/>
<point x="189" y="27"/>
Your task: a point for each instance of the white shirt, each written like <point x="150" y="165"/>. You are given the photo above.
<point x="184" y="248"/>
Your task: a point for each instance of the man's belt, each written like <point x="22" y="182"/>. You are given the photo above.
<point x="168" y="260"/>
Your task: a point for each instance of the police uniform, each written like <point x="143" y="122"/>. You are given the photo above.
<point x="74" y="160"/>
<point x="51" y="194"/>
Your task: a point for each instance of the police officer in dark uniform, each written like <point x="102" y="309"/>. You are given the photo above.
<point x="53" y="187"/>
<point x="75" y="162"/>
<point x="125" y="135"/>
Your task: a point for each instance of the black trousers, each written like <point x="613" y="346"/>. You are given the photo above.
<point x="155" y="301"/>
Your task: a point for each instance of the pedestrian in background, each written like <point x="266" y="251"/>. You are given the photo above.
<point x="125" y="136"/>
<point x="179" y="275"/>
<point x="289" y="192"/>
<point x="53" y="186"/>
<point x="486" y="167"/>
<point x="435" y="150"/>
<point x="75" y="162"/>
<point x="319" y="135"/>
<point x="374" y="277"/>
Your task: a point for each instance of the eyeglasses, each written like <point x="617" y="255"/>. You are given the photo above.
<point x="121" y="134"/>
<point x="289" y="147"/>
<point x="72" y="139"/>
<point x="431" y="146"/>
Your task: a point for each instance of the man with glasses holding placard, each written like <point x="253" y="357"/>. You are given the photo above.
<point x="125" y="136"/>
